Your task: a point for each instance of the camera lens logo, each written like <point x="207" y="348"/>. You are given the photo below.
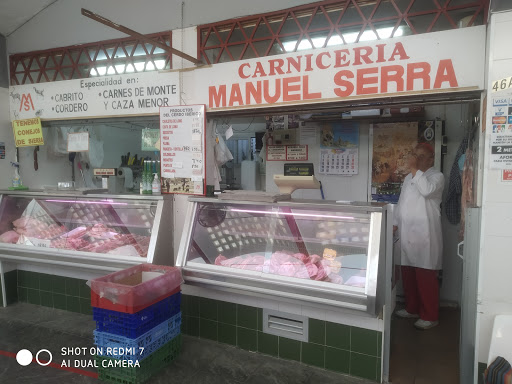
<point x="24" y="357"/>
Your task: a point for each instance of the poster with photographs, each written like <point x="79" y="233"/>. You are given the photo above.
<point x="392" y="145"/>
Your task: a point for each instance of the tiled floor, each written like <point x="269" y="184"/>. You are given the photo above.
<point x="426" y="357"/>
<point x="201" y="361"/>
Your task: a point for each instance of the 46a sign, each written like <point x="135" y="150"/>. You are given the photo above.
<point x="501" y="85"/>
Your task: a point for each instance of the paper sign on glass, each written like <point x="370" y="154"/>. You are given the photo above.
<point x="78" y="142"/>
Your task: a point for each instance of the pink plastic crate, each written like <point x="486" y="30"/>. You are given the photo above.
<point x="126" y="291"/>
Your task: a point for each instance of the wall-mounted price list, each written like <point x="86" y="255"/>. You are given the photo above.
<point x="182" y="149"/>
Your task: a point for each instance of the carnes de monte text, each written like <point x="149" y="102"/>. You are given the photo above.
<point x="362" y="70"/>
<point x="115" y="98"/>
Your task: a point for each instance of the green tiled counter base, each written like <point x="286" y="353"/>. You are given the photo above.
<point x="52" y="291"/>
<point x="336" y="347"/>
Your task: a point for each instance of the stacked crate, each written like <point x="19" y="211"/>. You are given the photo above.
<point x="138" y="324"/>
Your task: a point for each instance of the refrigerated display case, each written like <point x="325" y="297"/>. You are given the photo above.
<point x="310" y="251"/>
<point x="99" y="232"/>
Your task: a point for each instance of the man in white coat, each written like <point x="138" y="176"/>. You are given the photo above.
<point x="418" y="217"/>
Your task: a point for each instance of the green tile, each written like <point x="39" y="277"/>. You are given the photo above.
<point x="363" y="341"/>
<point x="59" y="301"/>
<point x="184" y="306"/>
<point x="46" y="299"/>
<point x="45" y="282"/>
<point x="208" y="329"/>
<point x="247" y="317"/>
<point x="227" y="312"/>
<point x="317" y="331"/>
<point x="192" y="306"/>
<point x="58" y="284"/>
<point x="22" y="294"/>
<point x="85" y="306"/>
<point x="268" y="344"/>
<point x="481" y="370"/>
<point x="378" y="369"/>
<point x="73" y="287"/>
<point x="227" y="333"/>
<point x="379" y="344"/>
<point x="33" y="296"/>
<point x="11" y="286"/>
<point x="337" y="360"/>
<point x="193" y="326"/>
<point x="337" y="335"/>
<point x="260" y="319"/>
<point x="184" y="324"/>
<point x="208" y="308"/>
<point x="73" y="304"/>
<point x="363" y="366"/>
<point x="247" y="339"/>
<point x="85" y="291"/>
<point x="28" y="279"/>
<point x="22" y="278"/>
<point x="313" y="354"/>
<point x="289" y="349"/>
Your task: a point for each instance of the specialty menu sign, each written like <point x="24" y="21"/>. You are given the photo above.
<point x="182" y="143"/>
<point x="117" y="95"/>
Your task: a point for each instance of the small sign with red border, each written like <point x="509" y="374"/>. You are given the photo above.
<point x="287" y="153"/>
<point x="506" y="176"/>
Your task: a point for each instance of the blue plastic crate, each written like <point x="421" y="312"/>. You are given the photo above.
<point x="134" y="325"/>
<point x="107" y="371"/>
<point x="110" y="345"/>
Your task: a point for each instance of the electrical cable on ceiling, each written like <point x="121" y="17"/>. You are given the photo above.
<point x="49" y="5"/>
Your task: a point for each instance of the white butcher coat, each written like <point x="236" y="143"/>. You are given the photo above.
<point x="418" y="217"/>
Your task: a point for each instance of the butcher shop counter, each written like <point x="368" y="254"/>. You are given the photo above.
<point x="317" y="253"/>
<point x="96" y="232"/>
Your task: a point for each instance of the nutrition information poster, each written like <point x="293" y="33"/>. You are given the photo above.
<point x="182" y="149"/>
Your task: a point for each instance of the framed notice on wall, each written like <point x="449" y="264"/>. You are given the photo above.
<point x="182" y="149"/>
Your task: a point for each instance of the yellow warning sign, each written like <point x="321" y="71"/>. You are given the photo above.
<point x="28" y="132"/>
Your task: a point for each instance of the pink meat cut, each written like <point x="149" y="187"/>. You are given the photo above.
<point x="9" y="237"/>
<point x="284" y="264"/>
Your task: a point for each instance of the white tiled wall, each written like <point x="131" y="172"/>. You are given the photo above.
<point x="495" y="256"/>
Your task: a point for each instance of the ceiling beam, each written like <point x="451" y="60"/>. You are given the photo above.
<point x="137" y="35"/>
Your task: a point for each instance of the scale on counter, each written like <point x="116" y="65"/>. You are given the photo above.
<point x="297" y="176"/>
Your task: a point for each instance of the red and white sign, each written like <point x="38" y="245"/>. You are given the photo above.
<point x="287" y="153"/>
<point x="399" y="66"/>
<point x="182" y="149"/>
<point x="507" y="175"/>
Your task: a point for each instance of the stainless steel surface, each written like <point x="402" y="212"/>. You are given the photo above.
<point x="469" y="299"/>
<point x="160" y="245"/>
<point x="285" y="325"/>
<point x="366" y="299"/>
<point x="372" y="267"/>
<point x="39" y="193"/>
<point x="349" y="207"/>
<point x="186" y="235"/>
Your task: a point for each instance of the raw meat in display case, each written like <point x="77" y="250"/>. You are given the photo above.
<point x="86" y="226"/>
<point x="306" y="249"/>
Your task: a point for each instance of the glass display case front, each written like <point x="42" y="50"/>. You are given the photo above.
<point x="114" y="227"/>
<point x="286" y="246"/>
